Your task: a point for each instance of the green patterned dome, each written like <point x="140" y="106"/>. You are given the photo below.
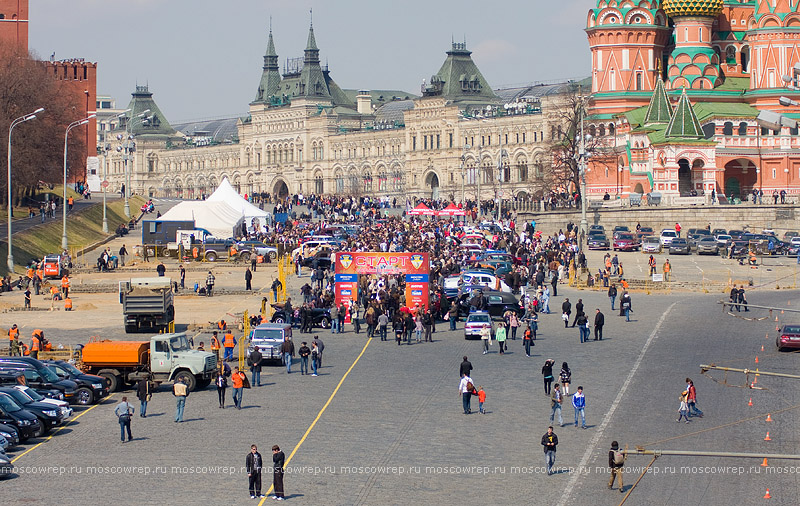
<point x="674" y="8"/>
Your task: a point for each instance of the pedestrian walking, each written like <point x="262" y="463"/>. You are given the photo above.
<point x="182" y="270"/>
<point x="315" y="357"/>
<point x="465" y="369"/>
<point x="465" y="389"/>
<point x="452" y="313"/>
<point x="692" y="399"/>
<point x="144" y="393"/>
<point x="612" y="294"/>
<point x="742" y="298"/>
<point x="616" y="461"/>
<point x="527" y="340"/>
<point x="181" y="392"/>
<point x="566" y="310"/>
<point x="320" y="349"/>
<point x="304" y="353"/>
<point x="335" y="319"/>
<point x="500" y="336"/>
<point x="228" y="342"/>
<point x="278" y="459"/>
<point x="427" y="325"/>
<point x="238" y="378"/>
<point x="583" y="327"/>
<point x="550" y="442"/>
<point x="122" y="253"/>
<point x="253" y="464"/>
<point x="124" y="412"/>
<point x="625" y="305"/>
<point x="486" y="337"/>
<point x="547" y="374"/>
<point x="222" y="384"/>
<point x="599" y="321"/>
<point x="578" y="311"/>
<point x="579" y="405"/>
<point x="555" y="404"/>
<point x="287" y="352"/>
<point x="513" y="323"/>
<point x="565" y="376"/>
<point x="683" y="409"/>
<point x="481" y="400"/>
<point x="161" y="269"/>
<point x="254" y="360"/>
<point x="248" y="278"/>
<point x="383" y="323"/>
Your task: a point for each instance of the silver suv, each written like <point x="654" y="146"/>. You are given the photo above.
<point x="268" y="338"/>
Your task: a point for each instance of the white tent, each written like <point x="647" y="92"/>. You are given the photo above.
<point x="219" y="218"/>
<point x="226" y="193"/>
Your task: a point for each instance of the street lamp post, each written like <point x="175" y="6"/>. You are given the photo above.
<point x="582" y="158"/>
<point x="72" y="125"/>
<point x="104" y="149"/>
<point x="21" y="119"/>
<point x="463" y="159"/>
<point x="129" y="147"/>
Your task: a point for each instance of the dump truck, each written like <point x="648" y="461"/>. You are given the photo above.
<point x="166" y="357"/>
<point x="147" y="303"/>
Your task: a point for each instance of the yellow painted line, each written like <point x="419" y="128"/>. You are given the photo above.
<point x="52" y="434"/>
<point x="319" y="415"/>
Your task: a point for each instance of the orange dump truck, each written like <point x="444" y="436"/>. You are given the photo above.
<point x="166" y="357"/>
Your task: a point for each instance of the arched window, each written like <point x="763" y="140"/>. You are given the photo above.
<point x="742" y="128"/>
<point x="522" y="170"/>
<point x="602" y="130"/>
<point x="727" y="128"/>
<point x="639" y="81"/>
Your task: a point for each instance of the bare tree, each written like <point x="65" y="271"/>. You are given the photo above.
<point x="38" y="145"/>
<point x="565" y="143"/>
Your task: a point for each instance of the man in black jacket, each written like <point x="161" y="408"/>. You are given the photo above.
<point x="566" y="309"/>
<point x="599" y="321"/>
<point x="466" y="367"/>
<point x="253" y="464"/>
<point x="578" y="311"/>
<point x="549" y="443"/>
<point x="255" y="366"/>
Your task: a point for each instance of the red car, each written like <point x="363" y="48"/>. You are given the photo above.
<point x="789" y="337"/>
<point x="625" y="241"/>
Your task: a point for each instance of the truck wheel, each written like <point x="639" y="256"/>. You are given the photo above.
<point x="325" y="323"/>
<point x="84" y="396"/>
<point x="211" y="256"/>
<point x="112" y="379"/>
<point x="130" y="329"/>
<point x="245" y="257"/>
<point x="189" y="379"/>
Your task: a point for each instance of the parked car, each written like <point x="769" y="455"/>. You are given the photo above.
<point x="49" y="416"/>
<point x="707" y="245"/>
<point x="621" y="228"/>
<point x="597" y="241"/>
<point x="26" y="423"/>
<point x="9" y="378"/>
<point x="789" y="337"/>
<point x="259" y="248"/>
<point x="38" y="375"/>
<point x="62" y="406"/>
<point x="6" y="467"/>
<point x="692" y="239"/>
<point x="10" y="433"/>
<point x="644" y="231"/>
<point x="718" y="231"/>
<point x="268" y="338"/>
<point x="667" y="236"/>
<point x="624" y="241"/>
<point x="498" y="303"/>
<point x="791" y="234"/>
<point x="91" y="388"/>
<point x="477" y="321"/>
<point x="322" y="258"/>
<point x="722" y="240"/>
<point x="679" y="246"/>
<point x="597" y="228"/>
<point x="651" y="244"/>
<point x="320" y="316"/>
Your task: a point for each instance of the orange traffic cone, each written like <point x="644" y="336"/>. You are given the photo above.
<point x="767" y="496"/>
<point x="756" y="359"/>
<point x="750" y="402"/>
<point x="776" y="318"/>
<point x="755" y="380"/>
<point x="762" y="347"/>
<point x="767" y="438"/>
<point x="769" y="418"/>
<point x="764" y="464"/>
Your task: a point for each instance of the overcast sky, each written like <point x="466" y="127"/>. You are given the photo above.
<point x="203" y="58"/>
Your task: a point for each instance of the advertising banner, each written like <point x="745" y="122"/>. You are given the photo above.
<point x="349" y="265"/>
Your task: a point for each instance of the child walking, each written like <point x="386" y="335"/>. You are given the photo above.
<point x="481" y="400"/>
<point x="683" y="410"/>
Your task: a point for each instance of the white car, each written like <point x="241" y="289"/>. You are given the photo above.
<point x="795" y="241"/>
<point x="62" y="406"/>
<point x="476" y="279"/>
<point x="666" y="237"/>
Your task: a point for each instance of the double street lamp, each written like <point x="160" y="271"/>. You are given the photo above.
<point x="72" y="125"/>
<point x="21" y="119"/>
<point x="127" y="148"/>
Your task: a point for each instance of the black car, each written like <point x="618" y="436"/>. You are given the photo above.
<point x="498" y="303"/>
<point x="11" y="434"/>
<point x="91" y="388"/>
<point x="48" y="414"/>
<point x="679" y="246"/>
<point x="24" y="421"/>
<point x="10" y="378"/>
<point x="320" y="317"/>
<point x="39" y="376"/>
<point x="320" y="259"/>
<point x="597" y="241"/>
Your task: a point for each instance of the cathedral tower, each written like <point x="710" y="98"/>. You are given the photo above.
<point x="693" y="63"/>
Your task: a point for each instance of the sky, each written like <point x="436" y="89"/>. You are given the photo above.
<point x="203" y="58"/>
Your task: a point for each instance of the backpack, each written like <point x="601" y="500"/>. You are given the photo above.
<point x="619" y="458"/>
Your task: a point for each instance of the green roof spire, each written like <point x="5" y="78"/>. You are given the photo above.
<point x="660" y="110"/>
<point x="684" y="124"/>
<point x="270" y="75"/>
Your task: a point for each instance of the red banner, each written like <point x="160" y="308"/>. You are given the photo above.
<point x="382" y="263"/>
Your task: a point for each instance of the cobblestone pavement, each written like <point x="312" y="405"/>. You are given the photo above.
<point x="393" y="432"/>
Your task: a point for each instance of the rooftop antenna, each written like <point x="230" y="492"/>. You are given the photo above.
<point x="311" y="15"/>
<point x="270" y="24"/>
